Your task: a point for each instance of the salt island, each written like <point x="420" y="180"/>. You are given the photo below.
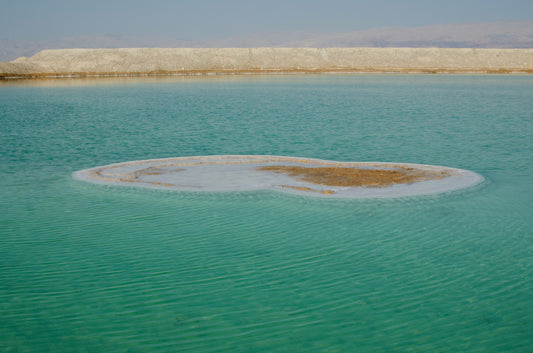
<point x="287" y="174"/>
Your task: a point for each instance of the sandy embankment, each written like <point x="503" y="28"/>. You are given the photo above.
<point x="160" y="61"/>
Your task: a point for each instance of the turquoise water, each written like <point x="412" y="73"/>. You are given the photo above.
<point x="92" y="268"/>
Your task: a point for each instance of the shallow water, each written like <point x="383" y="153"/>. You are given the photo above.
<point x="92" y="268"/>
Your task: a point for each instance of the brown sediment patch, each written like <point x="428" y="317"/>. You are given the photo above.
<point x="303" y="188"/>
<point x="162" y="184"/>
<point x="357" y="177"/>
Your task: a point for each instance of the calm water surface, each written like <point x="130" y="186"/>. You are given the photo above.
<point x="92" y="268"/>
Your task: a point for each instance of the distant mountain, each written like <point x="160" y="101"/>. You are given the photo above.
<point x="12" y="49"/>
<point x="500" y="34"/>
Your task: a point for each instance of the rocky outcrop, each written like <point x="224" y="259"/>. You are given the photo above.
<point x="153" y="61"/>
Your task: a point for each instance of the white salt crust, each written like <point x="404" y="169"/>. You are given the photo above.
<point x="239" y="173"/>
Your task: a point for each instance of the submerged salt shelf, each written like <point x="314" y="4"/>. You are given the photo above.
<point x="287" y="174"/>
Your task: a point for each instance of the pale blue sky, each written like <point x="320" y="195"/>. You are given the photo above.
<point x="210" y="19"/>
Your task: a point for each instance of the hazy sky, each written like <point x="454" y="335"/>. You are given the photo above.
<point x="210" y="19"/>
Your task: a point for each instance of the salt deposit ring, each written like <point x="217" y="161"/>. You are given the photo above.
<point x="288" y="174"/>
